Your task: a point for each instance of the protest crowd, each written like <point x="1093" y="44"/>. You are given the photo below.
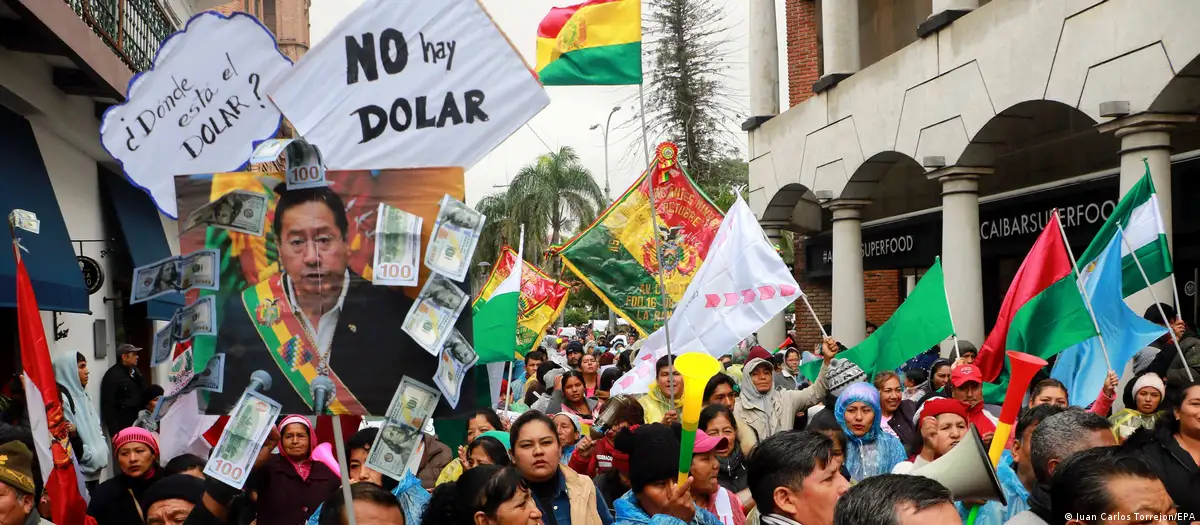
<point x="359" y="371"/>
<point x="771" y="447"/>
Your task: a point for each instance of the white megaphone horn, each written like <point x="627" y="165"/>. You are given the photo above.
<point x="966" y="471"/>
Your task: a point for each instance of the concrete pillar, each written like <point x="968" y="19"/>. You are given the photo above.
<point x="849" y="310"/>
<point x="945" y="12"/>
<point x="839" y="41"/>
<point x="764" y="64"/>
<point x="772" y="334"/>
<point x="1146" y="138"/>
<point x="960" y="248"/>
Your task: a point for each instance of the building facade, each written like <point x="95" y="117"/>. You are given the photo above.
<point x="952" y="128"/>
<point x="62" y="64"/>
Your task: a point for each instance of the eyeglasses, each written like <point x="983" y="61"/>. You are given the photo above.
<point x="323" y="243"/>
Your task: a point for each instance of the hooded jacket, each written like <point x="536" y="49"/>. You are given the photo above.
<point x="629" y="512"/>
<point x="876" y="452"/>
<point x="93" y="450"/>
<point x="761" y="415"/>
<point x="1174" y="466"/>
<point x="287" y="495"/>
<point x="655" y="404"/>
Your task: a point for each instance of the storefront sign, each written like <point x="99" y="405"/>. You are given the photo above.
<point x="93" y="274"/>
<point x="1006" y="228"/>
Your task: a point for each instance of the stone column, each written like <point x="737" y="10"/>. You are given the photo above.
<point x="849" y="310"/>
<point x="772" y="334"/>
<point x="839" y="41"/>
<point x="1146" y="137"/>
<point x="960" y="247"/>
<point x="764" y="64"/>
<point x="945" y="12"/>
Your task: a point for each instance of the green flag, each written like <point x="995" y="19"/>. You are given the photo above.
<point x="921" y="322"/>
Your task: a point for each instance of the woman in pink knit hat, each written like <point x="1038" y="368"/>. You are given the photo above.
<point x="115" y="502"/>
<point x="292" y="485"/>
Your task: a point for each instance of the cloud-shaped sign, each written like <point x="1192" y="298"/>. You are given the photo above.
<point x="410" y="84"/>
<point x="202" y="106"/>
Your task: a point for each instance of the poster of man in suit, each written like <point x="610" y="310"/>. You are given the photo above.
<point x="298" y="302"/>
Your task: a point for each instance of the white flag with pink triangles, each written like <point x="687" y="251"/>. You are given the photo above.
<point x="742" y="284"/>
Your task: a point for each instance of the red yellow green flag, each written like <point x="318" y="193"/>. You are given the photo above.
<point x="597" y="42"/>
<point x="542" y="299"/>
<point x="616" y="255"/>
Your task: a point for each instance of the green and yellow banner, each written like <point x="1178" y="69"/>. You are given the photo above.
<point x="542" y="300"/>
<point x="616" y="256"/>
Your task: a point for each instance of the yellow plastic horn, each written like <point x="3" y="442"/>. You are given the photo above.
<point x="696" y="368"/>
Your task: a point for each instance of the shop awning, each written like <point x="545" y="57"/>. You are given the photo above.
<point x="25" y="184"/>
<point x="141" y="231"/>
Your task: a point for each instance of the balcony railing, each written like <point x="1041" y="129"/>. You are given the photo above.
<point x="132" y="28"/>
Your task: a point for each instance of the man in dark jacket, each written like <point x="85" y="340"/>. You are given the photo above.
<point x="121" y="391"/>
<point x="1166" y="362"/>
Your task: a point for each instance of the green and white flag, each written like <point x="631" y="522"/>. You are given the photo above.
<point x="495" y="317"/>
<point x="1138" y="214"/>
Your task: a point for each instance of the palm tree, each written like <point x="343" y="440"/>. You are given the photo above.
<point x="551" y="196"/>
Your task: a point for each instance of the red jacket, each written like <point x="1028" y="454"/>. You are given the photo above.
<point x="598" y="463"/>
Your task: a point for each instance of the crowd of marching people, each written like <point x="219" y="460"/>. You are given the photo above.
<point x="772" y="448"/>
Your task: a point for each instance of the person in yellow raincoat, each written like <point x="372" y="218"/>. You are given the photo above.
<point x="668" y="384"/>
<point x="1148" y="391"/>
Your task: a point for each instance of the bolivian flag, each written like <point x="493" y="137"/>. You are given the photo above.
<point x="617" y="256"/>
<point x="597" y="42"/>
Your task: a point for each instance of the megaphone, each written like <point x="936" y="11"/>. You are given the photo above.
<point x="966" y="471"/>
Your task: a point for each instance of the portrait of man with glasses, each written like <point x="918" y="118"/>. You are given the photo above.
<point x="316" y="316"/>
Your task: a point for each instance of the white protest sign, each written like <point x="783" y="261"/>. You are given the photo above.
<point x="742" y="284"/>
<point x="202" y="106"/>
<point x="409" y="84"/>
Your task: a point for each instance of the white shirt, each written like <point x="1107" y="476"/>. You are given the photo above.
<point x="326" y="325"/>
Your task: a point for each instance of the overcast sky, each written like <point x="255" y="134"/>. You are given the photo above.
<point x="572" y="110"/>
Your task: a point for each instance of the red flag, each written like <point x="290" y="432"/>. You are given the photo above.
<point x="67" y="506"/>
<point x="1044" y="287"/>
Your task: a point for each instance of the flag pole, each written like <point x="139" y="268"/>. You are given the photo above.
<point x="520" y="262"/>
<point x="820" y="327"/>
<point x="950" y="311"/>
<point x="1087" y="301"/>
<point x="1170" y="329"/>
<point x="662" y="287"/>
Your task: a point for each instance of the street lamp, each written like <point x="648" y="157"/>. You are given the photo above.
<point x="612" y="316"/>
<point x="605" y="131"/>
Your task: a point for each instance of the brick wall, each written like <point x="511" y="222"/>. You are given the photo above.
<point x="820" y="296"/>
<point x="287" y="19"/>
<point x="803" y="48"/>
<point x="881" y="290"/>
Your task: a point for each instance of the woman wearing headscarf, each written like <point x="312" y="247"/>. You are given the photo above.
<point x="763" y="408"/>
<point x="938" y="383"/>
<point x="291" y="485"/>
<point x="116" y="501"/>
<point x="87" y="439"/>
<point x="870" y="451"/>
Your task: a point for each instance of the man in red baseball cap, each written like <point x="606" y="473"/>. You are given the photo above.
<point x="942" y="423"/>
<point x="966" y="383"/>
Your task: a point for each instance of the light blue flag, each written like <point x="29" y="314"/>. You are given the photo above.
<point x="1081" y="367"/>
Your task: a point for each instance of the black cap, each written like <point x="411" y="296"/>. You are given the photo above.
<point x="177" y="486"/>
